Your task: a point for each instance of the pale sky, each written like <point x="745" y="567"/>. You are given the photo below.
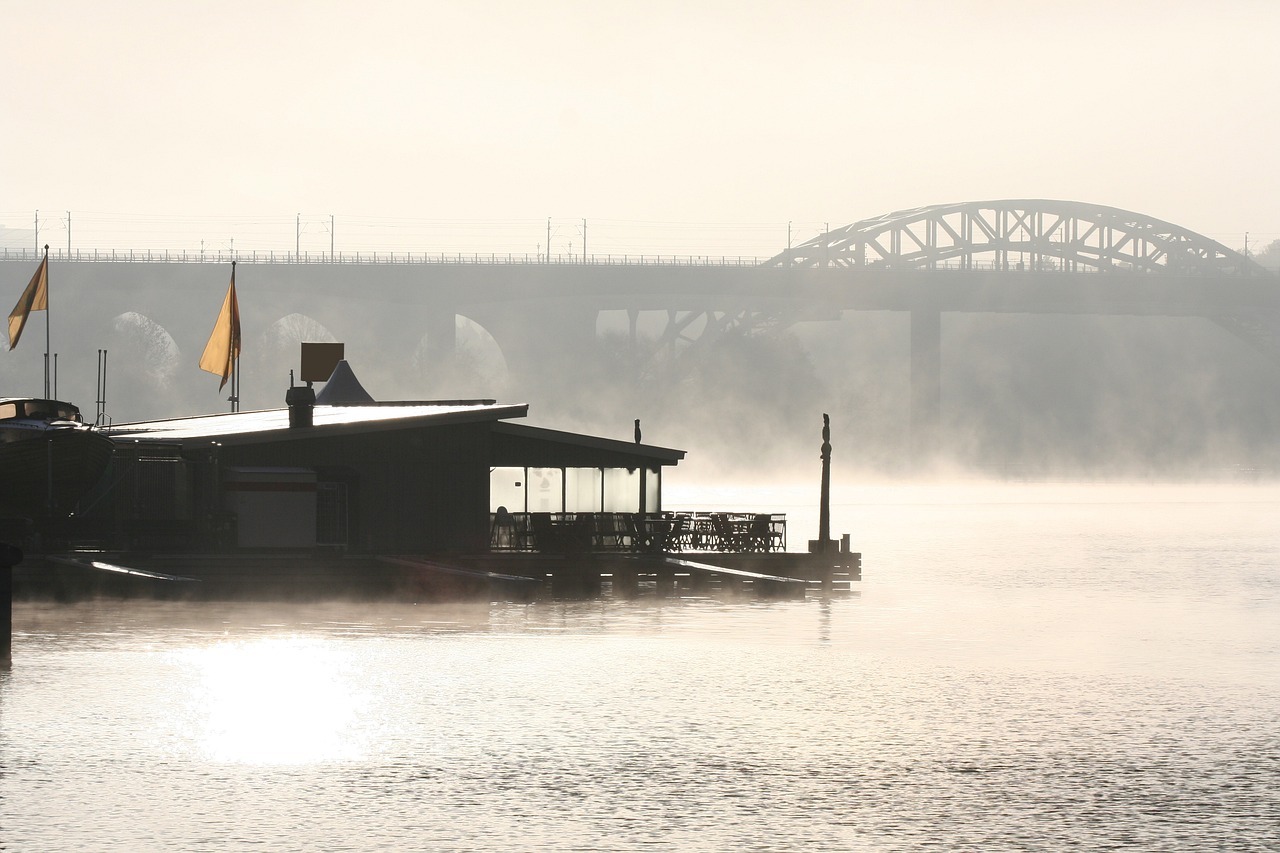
<point x="700" y="126"/>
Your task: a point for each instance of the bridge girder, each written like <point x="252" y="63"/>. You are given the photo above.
<point x="1031" y="234"/>
<point x="688" y="333"/>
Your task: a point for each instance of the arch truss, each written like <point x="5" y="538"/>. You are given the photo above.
<point x="1020" y="234"/>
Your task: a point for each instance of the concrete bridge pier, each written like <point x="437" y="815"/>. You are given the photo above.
<point x="442" y="335"/>
<point x="926" y="386"/>
<point x="546" y="344"/>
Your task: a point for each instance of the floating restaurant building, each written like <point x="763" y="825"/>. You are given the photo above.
<point x="338" y="492"/>
<point x="364" y="476"/>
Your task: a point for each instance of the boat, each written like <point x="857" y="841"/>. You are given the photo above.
<point x="49" y="457"/>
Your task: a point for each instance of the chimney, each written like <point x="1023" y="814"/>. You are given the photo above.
<point x="301" y="401"/>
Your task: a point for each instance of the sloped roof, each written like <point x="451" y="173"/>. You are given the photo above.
<point x="343" y="387"/>
<point x="273" y="424"/>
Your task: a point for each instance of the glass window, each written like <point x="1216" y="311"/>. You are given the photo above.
<point x="506" y="488"/>
<point x="582" y="490"/>
<point x="652" y="491"/>
<point x="621" y="490"/>
<point x="545" y="490"/>
<point x="67" y="412"/>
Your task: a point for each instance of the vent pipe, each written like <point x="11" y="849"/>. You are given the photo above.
<point x="301" y="400"/>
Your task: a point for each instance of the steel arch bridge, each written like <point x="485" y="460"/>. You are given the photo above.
<point x="1040" y="236"/>
<point x="1020" y="234"/>
<point x="1041" y="240"/>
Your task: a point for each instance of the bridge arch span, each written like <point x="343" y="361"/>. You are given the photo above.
<point x="463" y="361"/>
<point x="1020" y="234"/>
<point x="137" y="338"/>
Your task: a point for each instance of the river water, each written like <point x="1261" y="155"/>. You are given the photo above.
<point x="1025" y="667"/>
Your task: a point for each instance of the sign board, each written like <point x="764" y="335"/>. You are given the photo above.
<point x="319" y="360"/>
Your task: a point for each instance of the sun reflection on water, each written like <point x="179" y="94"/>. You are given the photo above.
<point x="277" y="700"/>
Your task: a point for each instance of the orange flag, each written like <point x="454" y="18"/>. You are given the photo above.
<point x="34" y="298"/>
<point x="223" y="348"/>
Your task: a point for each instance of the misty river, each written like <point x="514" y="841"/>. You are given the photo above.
<point x="1024" y="667"/>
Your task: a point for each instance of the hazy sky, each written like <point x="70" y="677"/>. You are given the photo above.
<point x="726" y="120"/>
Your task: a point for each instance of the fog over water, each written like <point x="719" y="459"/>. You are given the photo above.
<point x="1022" y="396"/>
<point x="1025" y="667"/>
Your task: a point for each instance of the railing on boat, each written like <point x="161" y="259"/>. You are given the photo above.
<point x="613" y="532"/>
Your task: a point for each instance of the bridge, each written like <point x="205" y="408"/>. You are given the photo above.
<point x="1008" y="256"/>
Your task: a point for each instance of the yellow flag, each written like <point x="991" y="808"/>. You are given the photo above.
<point x="223" y="348"/>
<point x="34" y="298"/>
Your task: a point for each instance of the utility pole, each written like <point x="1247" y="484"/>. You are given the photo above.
<point x="297" y="239"/>
<point x="68" y="235"/>
<point x="330" y="238"/>
<point x="584" y="240"/>
<point x="37" y="232"/>
<point x="548" y="239"/>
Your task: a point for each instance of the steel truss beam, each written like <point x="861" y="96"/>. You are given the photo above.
<point x="1020" y="234"/>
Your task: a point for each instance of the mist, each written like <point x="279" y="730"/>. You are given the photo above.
<point x="1022" y="397"/>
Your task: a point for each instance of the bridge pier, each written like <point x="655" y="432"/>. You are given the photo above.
<point x="442" y="335"/>
<point x="548" y="345"/>
<point x="926" y="386"/>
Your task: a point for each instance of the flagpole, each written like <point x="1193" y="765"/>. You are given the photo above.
<point x="221" y="355"/>
<point x="46" y="321"/>
<point x="235" y="358"/>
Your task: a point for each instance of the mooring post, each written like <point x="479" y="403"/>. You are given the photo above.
<point x="824" y="503"/>
<point x="9" y="557"/>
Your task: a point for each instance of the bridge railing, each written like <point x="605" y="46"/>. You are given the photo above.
<point x="168" y="256"/>
<point x="182" y="256"/>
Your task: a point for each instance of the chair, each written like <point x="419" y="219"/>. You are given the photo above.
<point x="680" y="535"/>
<point x="581" y="533"/>
<point x="544" y="534"/>
<point x="649" y="533"/>
<point x="726" y="538"/>
<point x="759" y="537"/>
<point x="502" y="535"/>
<point x="611" y="532"/>
<point x="778" y="531"/>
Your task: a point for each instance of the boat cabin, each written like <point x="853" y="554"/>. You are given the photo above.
<point x="31" y="408"/>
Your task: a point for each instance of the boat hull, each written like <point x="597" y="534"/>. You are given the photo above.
<point x="50" y="470"/>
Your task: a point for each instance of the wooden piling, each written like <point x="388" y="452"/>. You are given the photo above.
<point x="9" y="557"/>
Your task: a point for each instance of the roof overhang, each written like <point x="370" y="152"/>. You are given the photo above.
<point x="521" y="445"/>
